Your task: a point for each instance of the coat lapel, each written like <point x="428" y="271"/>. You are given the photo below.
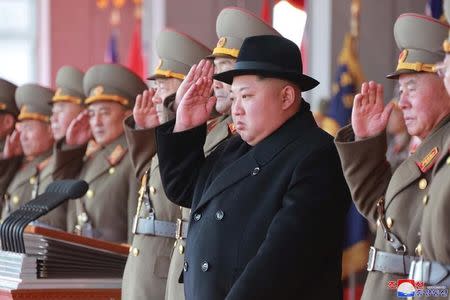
<point x="239" y="169"/>
<point x="27" y="171"/>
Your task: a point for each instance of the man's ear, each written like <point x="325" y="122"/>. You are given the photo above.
<point x="287" y="97"/>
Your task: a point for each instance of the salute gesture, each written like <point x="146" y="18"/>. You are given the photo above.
<point x="144" y="111"/>
<point x="369" y="116"/>
<point x="12" y="145"/>
<point x="79" y="131"/>
<point x="195" y="100"/>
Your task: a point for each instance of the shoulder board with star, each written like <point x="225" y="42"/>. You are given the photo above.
<point x="41" y="166"/>
<point x="116" y="155"/>
<point x="91" y="148"/>
<point x="231" y="128"/>
<point x="428" y="160"/>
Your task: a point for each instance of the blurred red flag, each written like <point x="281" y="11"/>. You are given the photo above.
<point x="266" y="12"/>
<point x="135" y="58"/>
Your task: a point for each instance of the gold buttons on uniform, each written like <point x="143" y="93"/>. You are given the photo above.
<point x="423" y="184"/>
<point x="419" y="249"/>
<point x="90" y="193"/>
<point x="135" y="251"/>
<point x="425" y="199"/>
<point x="33" y="180"/>
<point x="152" y="189"/>
<point x="448" y="160"/>
<point x="15" y="199"/>
<point x="181" y="249"/>
<point x="111" y="170"/>
<point x="389" y="222"/>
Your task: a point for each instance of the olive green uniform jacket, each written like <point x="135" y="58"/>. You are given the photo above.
<point x="110" y="203"/>
<point x="155" y="263"/>
<point x="369" y="177"/>
<point x="23" y="181"/>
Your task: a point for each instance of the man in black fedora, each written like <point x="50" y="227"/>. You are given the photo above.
<point x="269" y="204"/>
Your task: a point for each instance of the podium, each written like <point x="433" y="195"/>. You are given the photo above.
<point x="60" y="265"/>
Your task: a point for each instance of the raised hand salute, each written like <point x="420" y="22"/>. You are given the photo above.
<point x="369" y="115"/>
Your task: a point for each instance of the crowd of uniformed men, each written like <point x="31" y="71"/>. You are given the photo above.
<point x="237" y="193"/>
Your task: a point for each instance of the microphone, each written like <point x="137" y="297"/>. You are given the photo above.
<point x="11" y="231"/>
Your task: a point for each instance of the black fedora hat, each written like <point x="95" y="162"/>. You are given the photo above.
<point x="270" y="56"/>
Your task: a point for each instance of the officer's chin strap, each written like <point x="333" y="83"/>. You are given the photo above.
<point x="389" y="236"/>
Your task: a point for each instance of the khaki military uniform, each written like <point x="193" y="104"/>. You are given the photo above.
<point x="369" y="178"/>
<point x="147" y="266"/>
<point x="31" y="180"/>
<point x="107" y="209"/>
<point x="7" y="103"/>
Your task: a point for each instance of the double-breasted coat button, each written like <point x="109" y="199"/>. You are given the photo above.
<point x="185" y="266"/>
<point x="15" y="199"/>
<point x="205" y="266"/>
<point x="423" y="183"/>
<point x="197" y="216"/>
<point x="255" y="171"/>
<point x="112" y="170"/>
<point x="135" y="252"/>
<point x="390" y="222"/>
<point x="219" y="215"/>
<point x="152" y="189"/>
<point x="425" y="199"/>
<point x="448" y="160"/>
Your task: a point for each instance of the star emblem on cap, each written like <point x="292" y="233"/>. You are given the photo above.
<point x="221" y="41"/>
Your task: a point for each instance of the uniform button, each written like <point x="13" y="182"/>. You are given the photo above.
<point x="219" y="215"/>
<point x="90" y="194"/>
<point x="448" y="160"/>
<point x="185" y="266"/>
<point x="197" y="216"/>
<point x="33" y="180"/>
<point x="111" y="170"/>
<point x="423" y="183"/>
<point x="389" y="222"/>
<point x="82" y="218"/>
<point x="135" y="252"/>
<point x="425" y="199"/>
<point x="152" y="189"/>
<point x="15" y="199"/>
<point x="205" y="266"/>
<point x="419" y="249"/>
<point x="255" y="171"/>
<point x="180" y="249"/>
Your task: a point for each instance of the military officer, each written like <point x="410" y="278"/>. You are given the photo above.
<point x="30" y="148"/>
<point x="395" y="202"/>
<point x="8" y="116"/>
<point x="433" y="266"/>
<point x="67" y="103"/>
<point x="107" y="209"/>
<point x="156" y="224"/>
<point x="8" y="110"/>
